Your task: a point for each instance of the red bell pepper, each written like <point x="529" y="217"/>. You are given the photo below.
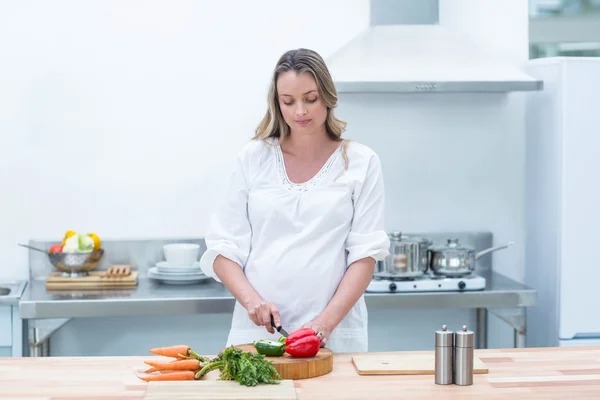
<point x="300" y="333"/>
<point x="303" y="343"/>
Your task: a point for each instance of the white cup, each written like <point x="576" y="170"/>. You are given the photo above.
<point x="181" y="254"/>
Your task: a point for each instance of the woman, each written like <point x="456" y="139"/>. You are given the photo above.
<point x="301" y="227"/>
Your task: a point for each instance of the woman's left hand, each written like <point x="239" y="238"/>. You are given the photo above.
<point x="321" y="329"/>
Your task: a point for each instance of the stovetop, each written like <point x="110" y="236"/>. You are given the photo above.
<point x="426" y="283"/>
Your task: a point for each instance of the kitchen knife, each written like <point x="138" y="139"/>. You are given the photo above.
<point x="279" y="329"/>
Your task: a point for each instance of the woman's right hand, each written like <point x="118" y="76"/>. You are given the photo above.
<point x="260" y="313"/>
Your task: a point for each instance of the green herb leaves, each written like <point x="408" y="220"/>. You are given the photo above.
<point x="247" y="368"/>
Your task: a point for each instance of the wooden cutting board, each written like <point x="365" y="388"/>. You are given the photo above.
<point x="421" y="364"/>
<point x="224" y="390"/>
<point x="95" y="279"/>
<point x="298" y="368"/>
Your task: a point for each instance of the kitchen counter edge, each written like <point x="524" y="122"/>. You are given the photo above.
<point x="151" y="298"/>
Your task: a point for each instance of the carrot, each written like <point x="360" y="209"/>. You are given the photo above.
<point x="172" y="376"/>
<point x="178" y="365"/>
<point x="172" y="372"/>
<point x="177" y="351"/>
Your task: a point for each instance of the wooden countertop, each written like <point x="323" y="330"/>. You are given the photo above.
<point x="548" y="373"/>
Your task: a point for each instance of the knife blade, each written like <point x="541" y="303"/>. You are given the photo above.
<point x="279" y="329"/>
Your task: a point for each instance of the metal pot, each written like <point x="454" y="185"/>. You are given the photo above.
<point x="454" y="260"/>
<point x="409" y="256"/>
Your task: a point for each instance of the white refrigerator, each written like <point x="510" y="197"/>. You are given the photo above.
<point x="563" y="202"/>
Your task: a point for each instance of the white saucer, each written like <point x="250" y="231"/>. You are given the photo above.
<point x="163" y="266"/>
<point x="177" y="278"/>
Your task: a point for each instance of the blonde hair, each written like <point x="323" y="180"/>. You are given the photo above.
<point x="302" y="60"/>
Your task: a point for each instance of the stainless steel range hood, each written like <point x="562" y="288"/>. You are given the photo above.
<point x="421" y="58"/>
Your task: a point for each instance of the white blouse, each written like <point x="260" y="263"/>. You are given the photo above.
<point x="295" y="241"/>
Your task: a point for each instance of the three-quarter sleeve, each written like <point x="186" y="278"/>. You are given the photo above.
<point x="229" y="232"/>
<point x="367" y="237"/>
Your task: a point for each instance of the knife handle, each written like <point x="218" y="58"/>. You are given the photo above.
<point x="273" y="324"/>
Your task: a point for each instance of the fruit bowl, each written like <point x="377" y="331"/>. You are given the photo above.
<point x="75" y="264"/>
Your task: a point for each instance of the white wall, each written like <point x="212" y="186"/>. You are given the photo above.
<point x="450" y="161"/>
<point x="500" y="28"/>
<point x="122" y="117"/>
<point x="100" y="96"/>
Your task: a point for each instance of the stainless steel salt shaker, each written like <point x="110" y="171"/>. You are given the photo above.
<point x="463" y="357"/>
<point x="444" y="349"/>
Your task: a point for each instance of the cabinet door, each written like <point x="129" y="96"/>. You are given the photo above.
<point x="5" y="326"/>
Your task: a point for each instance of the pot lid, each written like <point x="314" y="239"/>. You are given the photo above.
<point x="399" y="237"/>
<point x="452" y="244"/>
<point x="396" y="235"/>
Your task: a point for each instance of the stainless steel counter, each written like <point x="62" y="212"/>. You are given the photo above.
<point x="44" y="311"/>
<point x="151" y="298"/>
<point x="11" y="291"/>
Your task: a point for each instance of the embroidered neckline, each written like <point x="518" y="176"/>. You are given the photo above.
<point x="312" y="182"/>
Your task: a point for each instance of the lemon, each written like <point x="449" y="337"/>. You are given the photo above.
<point x="68" y="234"/>
<point x="96" y="240"/>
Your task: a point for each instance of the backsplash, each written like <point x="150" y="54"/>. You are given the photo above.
<point x="142" y="254"/>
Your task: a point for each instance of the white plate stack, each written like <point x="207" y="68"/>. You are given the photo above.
<point x="177" y="275"/>
<point x="181" y="266"/>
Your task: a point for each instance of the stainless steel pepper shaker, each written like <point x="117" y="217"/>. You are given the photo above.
<point x="444" y="349"/>
<point x="463" y="357"/>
